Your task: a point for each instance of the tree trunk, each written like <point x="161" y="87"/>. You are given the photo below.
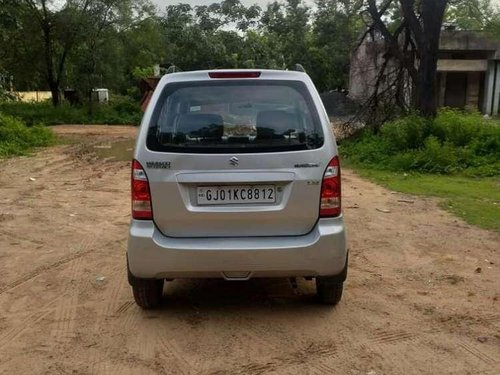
<point x="56" y="93"/>
<point x="426" y="32"/>
<point x="91" y="104"/>
<point x="426" y="91"/>
<point x="432" y="19"/>
<point x="49" y="63"/>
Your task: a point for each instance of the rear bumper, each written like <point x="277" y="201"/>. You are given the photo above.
<point x="322" y="252"/>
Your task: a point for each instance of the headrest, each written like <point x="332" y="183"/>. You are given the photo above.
<point x="275" y="123"/>
<point x="204" y="125"/>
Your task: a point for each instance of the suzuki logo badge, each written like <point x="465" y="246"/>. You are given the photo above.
<point x="234" y="161"/>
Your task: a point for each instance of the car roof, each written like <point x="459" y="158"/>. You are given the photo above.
<point x="265" y="74"/>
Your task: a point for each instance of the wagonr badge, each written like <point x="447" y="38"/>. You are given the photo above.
<point x="158" y="164"/>
<point x="279" y="215"/>
<point x="307" y="165"/>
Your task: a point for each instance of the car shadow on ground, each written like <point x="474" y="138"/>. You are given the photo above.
<point x="256" y="295"/>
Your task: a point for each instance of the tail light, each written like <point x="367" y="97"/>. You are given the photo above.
<point x="141" y="197"/>
<point x="330" y="205"/>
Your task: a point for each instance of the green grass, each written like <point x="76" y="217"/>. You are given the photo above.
<point x="18" y="139"/>
<point x="119" y="111"/>
<point x="476" y="200"/>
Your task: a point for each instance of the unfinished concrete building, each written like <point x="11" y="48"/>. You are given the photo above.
<point x="468" y="71"/>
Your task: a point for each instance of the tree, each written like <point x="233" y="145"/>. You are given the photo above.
<point x="19" y="47"/>
<point x="336" y="28"/>
<point x="493" y="25"/>
<point x="288" y="23"/>
<point x="469" y="14"/>
<point x="117" y="43"/>
<point x="204" y="37"/>
<point x="413" y="41"/>
<point x="477" y="15"/>
<point x="60" y="29"/>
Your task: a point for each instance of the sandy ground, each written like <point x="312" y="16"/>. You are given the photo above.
<point x="421" y="297"/>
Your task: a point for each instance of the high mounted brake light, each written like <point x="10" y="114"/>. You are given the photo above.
<point x="330" y="205"/>
<point x="234" y="74"/>
<point x="141" y="196"/>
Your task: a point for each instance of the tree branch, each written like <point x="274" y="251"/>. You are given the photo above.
<point x="408" y="7"/>
<point x="376" y="16"/>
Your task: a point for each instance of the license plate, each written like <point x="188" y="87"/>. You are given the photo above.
<point x="236" y="194"/>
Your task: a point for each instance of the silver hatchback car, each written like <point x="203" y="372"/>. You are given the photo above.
<point x="236" y="175"/>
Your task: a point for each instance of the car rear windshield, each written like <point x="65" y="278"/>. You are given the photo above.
<point x="235" y="116"/>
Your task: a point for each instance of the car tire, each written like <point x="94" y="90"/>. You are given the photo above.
<point x="329" y="292"/>
<point x="148" y="293"/>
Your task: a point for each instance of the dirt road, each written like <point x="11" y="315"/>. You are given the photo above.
<point x="421" y="297"/>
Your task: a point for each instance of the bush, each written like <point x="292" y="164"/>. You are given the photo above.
<point x="458" y="128"/>
<point x="18" y="139"/>
<point x="407" y="133"/>
<point x="454" y="141"/>
<point x="119" y="111"/>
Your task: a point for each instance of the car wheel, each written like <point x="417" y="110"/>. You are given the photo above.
<point x="148" y="293"/>
<point x="329" y="292"/>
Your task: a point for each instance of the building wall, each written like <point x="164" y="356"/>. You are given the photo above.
<point x="491" y="91"/>
<point x="33" y="96"/>
<point x="468" y="71"/>
<point x="365" y="64"/>
<point x="462" y="40"/>
<point x="473" y="90"/>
